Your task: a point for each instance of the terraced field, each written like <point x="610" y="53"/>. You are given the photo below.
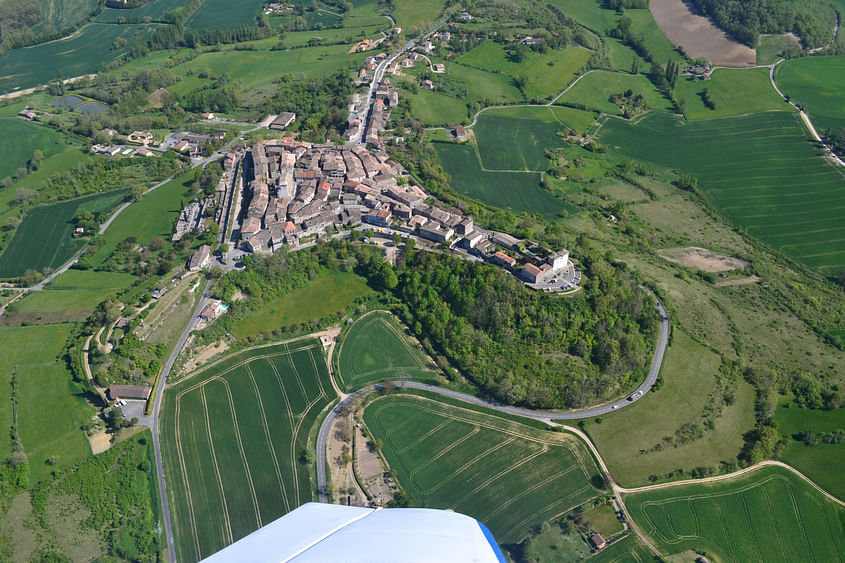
<point x="234" y="439"/>
<point x="510" y="476"/>
<point x="760" y="170"/>
<point x="769" y="515"/>
<point x="377" y="348"/>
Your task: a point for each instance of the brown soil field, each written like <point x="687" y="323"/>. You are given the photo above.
<point x="698" y="35"/>
<point x="100" y="442"/>
<point x="701" y="259"/>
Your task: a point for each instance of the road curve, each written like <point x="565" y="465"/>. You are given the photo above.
<point x="546" y="416"/>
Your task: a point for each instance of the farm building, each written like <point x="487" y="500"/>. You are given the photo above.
<point x="282" y="121"/>
<point x="598" y="541"/>
<point x="140" y="392"/>
<point x="504" y="239"/>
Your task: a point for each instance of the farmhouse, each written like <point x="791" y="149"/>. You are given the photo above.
<point x="140" y="392"/>
<point x="200" y="258"/>
<point x="213" y="310"/>
<point x="598" y="541"/>
<point x="503" y="259"/>
<point x="460" y="133"/>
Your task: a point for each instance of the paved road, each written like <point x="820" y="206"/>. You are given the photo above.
<point x="543" y="415"/>
<point x="159" y="392"/>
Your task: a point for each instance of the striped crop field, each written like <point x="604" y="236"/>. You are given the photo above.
<point x="376" y="348"/>
<point x="761" y="171"/>
<point x="768" y="515"/>
<point x="234" y="443"/>
<point x="509" y="476"/>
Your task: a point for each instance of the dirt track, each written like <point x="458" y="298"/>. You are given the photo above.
<point x="698" y="35"/>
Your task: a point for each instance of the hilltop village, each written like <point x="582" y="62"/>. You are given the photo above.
<point x="298" y="191"/>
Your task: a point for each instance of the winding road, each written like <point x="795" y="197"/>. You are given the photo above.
<point x="546" y="416"/>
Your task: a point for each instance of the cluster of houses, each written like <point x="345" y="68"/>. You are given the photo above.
<point x="192" y="143"/>
<point x="385" y="100"/>
<point x="701" y="71"/>
<point x="115" y="150"/>
<point x="299" y="190"/>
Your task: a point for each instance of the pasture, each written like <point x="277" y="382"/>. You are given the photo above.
<point x="508" y="142"/>
<point x="767" y="515"/>
<point x="816" y="84"/>
<point x="43" y="239"/>
<point x="247" y="468"/>
<point x="734" y="91"/>
<point x="48" y="415"/>
<point x="508" y="475"/>
<point x="81" y="53"/>
<point x="823" y="463"/>
<point x="153" y="216"/>
<point x="416" y="14"/>
<point x="626" y="438"/>
<point x="18" y="140"/>
<point x="71" y="296"/>
<point x="515" y="191"/>
<point x="325" y="296"/>
<point x="595" y="89"/>
<point x="759" y="170"/>
<point x="376" y="348"/>
<point x="547" y="74"/>
<point x="214" y="14"/>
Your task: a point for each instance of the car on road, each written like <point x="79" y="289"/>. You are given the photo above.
<point x="635" y="396"/>
<point x="614" y="407"/>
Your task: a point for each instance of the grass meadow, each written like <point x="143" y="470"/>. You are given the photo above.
<point x="594" y="91"/>
<point x="228" y="478"/>
<point x="48" y="415"/>
<point x="760" y="170"/>
<point x="154" y="9"/>
<point x="510" y="476"/>
<point x="18" y="140"/>
<point x="152" y="216"/>
<point x="508" y="142"/>
<point x="71" y="296"/>
<point x="624" y="438"/>
<point x="515" y="191"/>
<point x="823" y="463"/>
<point x="547" y="74"/>
<point x="326" y="296"/>
<point x="376" y="348"/>
<point x="816" y="84"/>
<point x="416" y="14"/>
<point x="81" y="53"/>
<point x="43" y="239"/>
<point x="734" y="91"/>
<point x="555" y="117"/>
<point x="768" y="515"/>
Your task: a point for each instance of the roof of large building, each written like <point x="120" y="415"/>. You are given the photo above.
<point x="330" y="532"/>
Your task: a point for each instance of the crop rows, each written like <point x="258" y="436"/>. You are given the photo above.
<point x="508" y="476"/>
<point x="234" y="437"/>
<point x="759" y="170"/>
<point x="768" y="516"/>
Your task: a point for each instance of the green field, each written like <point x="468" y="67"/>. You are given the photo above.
<point x="228" y="478"/>
<point x="326" y="296"/>
<point x="71" y="296"/>
<point x="213" y="14"/>
<point x="510" y="476"/>
<point x="759" y="170"/>
<point x="153" y="9"/>
<point x="769" y="515"/>
<point x="595" y="89"/>
<point x="415" y="14"/>
<point x="816" y="84"/>
<point x="517" y="192"/>
<point x="689" y="371"/>
<point x="823" y="463"/>
<point x="153" y="216"/>
<point x="81" y="53"/>
<point x="556" y="116"/>
<point x="734" y="91"/>
<point x="377" y="348"/>
<point x="515" y="143"/>
<point x="627" y="550"/>
<point x="58" y="15"/>
<point x="19" y="138"/>
<point x="547" y="74"/>
<point x="661" y="49"/>
<point x="43" y="239"/>
<point x="48" y="415"/>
